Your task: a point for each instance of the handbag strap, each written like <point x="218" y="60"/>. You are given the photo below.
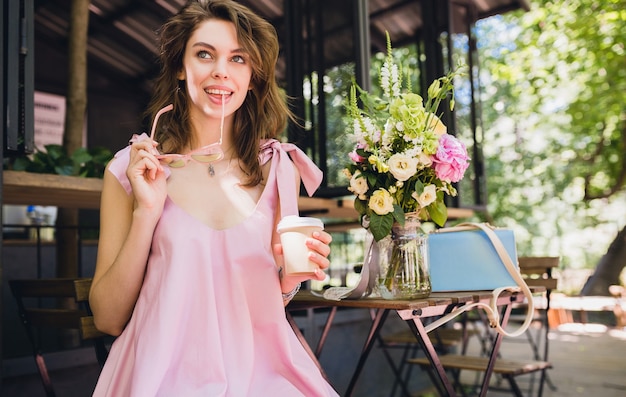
<point x="368" y="274"/>
<point x="492" y="307"/>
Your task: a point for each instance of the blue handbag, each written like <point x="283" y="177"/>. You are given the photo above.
<point x="464" y="258"/>
<point x="477" y="256"/>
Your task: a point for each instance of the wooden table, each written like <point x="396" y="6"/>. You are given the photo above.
<point x="412" y="312"/>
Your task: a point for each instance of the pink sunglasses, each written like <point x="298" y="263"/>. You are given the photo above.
<point x="205" y="154"/>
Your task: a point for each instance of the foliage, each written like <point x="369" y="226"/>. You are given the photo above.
<point x="555" y="88"/>
<point x="404" y="160"/>
<point x="55" y="160"/>
<point x="337" y="81"/>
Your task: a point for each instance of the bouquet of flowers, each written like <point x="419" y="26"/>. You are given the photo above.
<point x="404" y="160"/>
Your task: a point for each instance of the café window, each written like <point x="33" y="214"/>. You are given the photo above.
<point x="345" y="41"/>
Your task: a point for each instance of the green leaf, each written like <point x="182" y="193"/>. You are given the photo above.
<point x="438" y="212"/>
<point x="81" y="156"/>
<point x="398" y="214"/>
<point x="55" y="152"/>
<point x="21" y="164"/>
<point x="360" y="206"/>
<point x="380" y="225"/>
<point x="64" y="169"/>
<point x="54" y="160"/>
<point x="371" y="179"/>
<point x="101" y="155"/>
<point x="419" y="186"/>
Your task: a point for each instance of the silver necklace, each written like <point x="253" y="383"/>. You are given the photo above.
<point x="224" y="172"/>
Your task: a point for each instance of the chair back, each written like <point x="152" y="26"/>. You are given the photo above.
<point x="75" y="314"/>
<point x="537" y="271"/>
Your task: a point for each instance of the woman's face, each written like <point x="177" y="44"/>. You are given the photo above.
<point x="215" y="67"/>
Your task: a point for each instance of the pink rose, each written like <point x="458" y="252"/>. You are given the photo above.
<point x="354" y="156"/>
<point x="451" y="159"/>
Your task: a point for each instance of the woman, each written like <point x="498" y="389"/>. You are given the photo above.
<point x="188" y="268"/>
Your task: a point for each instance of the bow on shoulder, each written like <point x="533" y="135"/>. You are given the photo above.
<point x="310" y="174"/>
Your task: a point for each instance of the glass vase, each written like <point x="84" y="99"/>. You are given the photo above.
<point x="404" y="268"/>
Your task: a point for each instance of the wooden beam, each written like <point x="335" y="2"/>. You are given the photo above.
<point x="28" y="188"/>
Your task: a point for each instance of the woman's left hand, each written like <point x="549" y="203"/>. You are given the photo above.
<point x="319" y="247"/>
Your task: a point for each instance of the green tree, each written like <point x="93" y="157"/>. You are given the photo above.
<point x="554" y="109"/>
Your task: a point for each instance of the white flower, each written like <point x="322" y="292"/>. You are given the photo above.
<point x="402" y="167"/>
<point x="395" y="80"/>
<point x="395" y="165"/>
<point x="381" y="202"/>
<point x="384" y="78"/>
<point x="370" y="127"/>
<point x="428" y="196"/>
<point x="424" y="160"/>
<point x="358" y="184"/>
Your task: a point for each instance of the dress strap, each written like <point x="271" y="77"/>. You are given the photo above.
<point x="286" y="155"/>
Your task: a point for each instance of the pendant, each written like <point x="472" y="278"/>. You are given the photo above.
<point x="211" y="170"/>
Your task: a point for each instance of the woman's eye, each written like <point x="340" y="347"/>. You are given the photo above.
<point x="239" y="59"/>
<point x="204" y="55"/>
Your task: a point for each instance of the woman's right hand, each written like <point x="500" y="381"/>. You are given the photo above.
<point x="146" y="175"/>
<point x="127" y="223"/>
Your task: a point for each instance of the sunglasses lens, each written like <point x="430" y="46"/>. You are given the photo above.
<point x="172" y="161"/>
<point x="177" y="164"/>
<point x="208" y="157"/>
<point x="207" y="154"/>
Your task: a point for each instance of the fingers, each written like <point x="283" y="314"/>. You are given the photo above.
<point x="319" y="259"/>
<point x="323" y="236"/>
<point x="143" y="158"/>
<point x="147" y="145"/>
<point x="150" y="163"/>
<point x="319" y="275"/>
<point x="320" y="243"/>
<point x="319" y="249"/>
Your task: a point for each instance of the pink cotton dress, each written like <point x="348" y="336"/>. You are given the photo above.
<point x="209" y="320"/>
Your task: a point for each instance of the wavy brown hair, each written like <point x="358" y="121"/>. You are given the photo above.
<point x="263" y="114"/>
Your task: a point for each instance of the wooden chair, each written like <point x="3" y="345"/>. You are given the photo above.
<point x="508" y="369"/>
<point x="444" y="340"/>
<point x="29" y="293"/>
<point x="537" y="272"/>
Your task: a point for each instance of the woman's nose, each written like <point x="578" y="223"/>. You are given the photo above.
<point x="220" y="69"/>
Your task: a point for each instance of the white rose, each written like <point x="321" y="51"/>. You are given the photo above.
<point x="402" y="167"/>
<point x="428" y="196"/>
<point x="424" y="160"/>
<point x="381" y="202"/>
<point x="358" y="184"/>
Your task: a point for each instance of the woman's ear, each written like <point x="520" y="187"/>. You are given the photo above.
<point x="181" y="75"/>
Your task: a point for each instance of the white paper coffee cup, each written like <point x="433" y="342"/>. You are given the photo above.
<point x="294" y="230"/>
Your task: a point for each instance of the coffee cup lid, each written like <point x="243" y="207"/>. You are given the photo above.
<point x="291" y="221"/>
